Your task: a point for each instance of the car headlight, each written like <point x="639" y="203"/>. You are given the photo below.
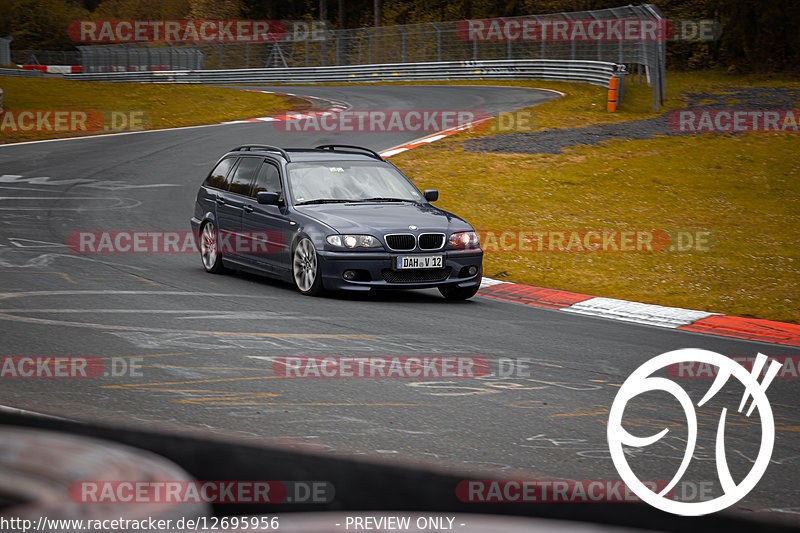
<point x="353" y="241"/>
<point x="464" y="240"/>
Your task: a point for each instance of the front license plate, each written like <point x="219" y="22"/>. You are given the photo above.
<point x="408" y="262"/>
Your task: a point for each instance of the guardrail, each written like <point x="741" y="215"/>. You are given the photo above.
<point x="21" y="73"/>
<point x="594" y="72"/>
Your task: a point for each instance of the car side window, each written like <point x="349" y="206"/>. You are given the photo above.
<point x="217" y="177"/>
<point x="268" y="180"/>
<point x="242" y="178"/>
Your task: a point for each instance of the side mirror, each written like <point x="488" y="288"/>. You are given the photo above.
<point x="431" y="195"/>
<point x="267" y="198"/>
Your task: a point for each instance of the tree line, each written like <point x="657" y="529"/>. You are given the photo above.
<point x="757" y="36"/>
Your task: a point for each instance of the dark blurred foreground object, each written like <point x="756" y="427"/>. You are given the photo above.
<point x="38" y="468"/>
<point x="39" y="461"/>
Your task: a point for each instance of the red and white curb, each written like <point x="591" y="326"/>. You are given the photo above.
<point x="331" y="107"/>
<point x="54" y="69"/>
<point x="73" y="69"/>
<point x="432" y="138"/>
<point x="653" y="315"/>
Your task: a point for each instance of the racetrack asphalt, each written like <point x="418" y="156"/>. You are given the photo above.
<point x="206" y="343"/>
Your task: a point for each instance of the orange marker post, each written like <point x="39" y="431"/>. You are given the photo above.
<point x="613" y="85"/>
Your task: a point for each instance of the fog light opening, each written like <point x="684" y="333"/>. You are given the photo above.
<point x="472" y="270"/>
<point x="349" y="275"/>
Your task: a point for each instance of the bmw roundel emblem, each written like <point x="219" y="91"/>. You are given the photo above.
<point x="412" y="227"/>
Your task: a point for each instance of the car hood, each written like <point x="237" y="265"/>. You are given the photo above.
<point x="382" y="218"/>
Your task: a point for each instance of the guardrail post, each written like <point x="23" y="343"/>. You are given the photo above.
<point x="542" y="51"/>
<point x="5" y="50"/>
<point x="655" y="90"/>
<point x="438" y="42"/>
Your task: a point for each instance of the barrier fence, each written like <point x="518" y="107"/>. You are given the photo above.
<point x="431" y="51"/>
<point x="46" y="57"/>
<point x="434" y="43"/>
<point x="128" y="58"/>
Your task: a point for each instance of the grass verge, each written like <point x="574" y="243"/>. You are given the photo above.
<point x="158" y="106"/>
<point x="743" y="189"/>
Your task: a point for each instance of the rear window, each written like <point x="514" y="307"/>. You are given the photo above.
<point x="243" y="175"/>
<point x="217" y="177"/>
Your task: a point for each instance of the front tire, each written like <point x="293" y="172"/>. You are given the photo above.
<point x="306" y="270"/>
<point x="209" y="249"/>
<point x="459" y="293"/>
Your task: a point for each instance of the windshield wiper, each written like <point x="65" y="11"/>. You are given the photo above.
<point x="382" y="199"/>
<point x="324" y="201"/>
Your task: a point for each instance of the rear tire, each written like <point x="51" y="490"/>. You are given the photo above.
<point x="459" y="293"/>
<point x="306" y="270"/>
<point x="209" y="249"/>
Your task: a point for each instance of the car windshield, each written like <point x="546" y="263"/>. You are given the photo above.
<point x="349" y="181"/>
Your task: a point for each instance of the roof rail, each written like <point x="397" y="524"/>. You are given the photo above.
<point x="332" y="147"/>
<point x="265" y="147"/>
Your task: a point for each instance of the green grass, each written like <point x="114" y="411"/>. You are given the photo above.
<point x="161" y="106"/>
<point x="744" y="189"/>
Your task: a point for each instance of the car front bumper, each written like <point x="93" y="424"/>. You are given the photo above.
<point x="376" y="270"/>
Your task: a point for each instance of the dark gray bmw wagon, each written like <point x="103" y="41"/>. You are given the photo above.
<point x="333" y="217"/>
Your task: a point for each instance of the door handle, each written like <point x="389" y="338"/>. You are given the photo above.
<point x="220" y="200"/>
<point x="248" y="208"/>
